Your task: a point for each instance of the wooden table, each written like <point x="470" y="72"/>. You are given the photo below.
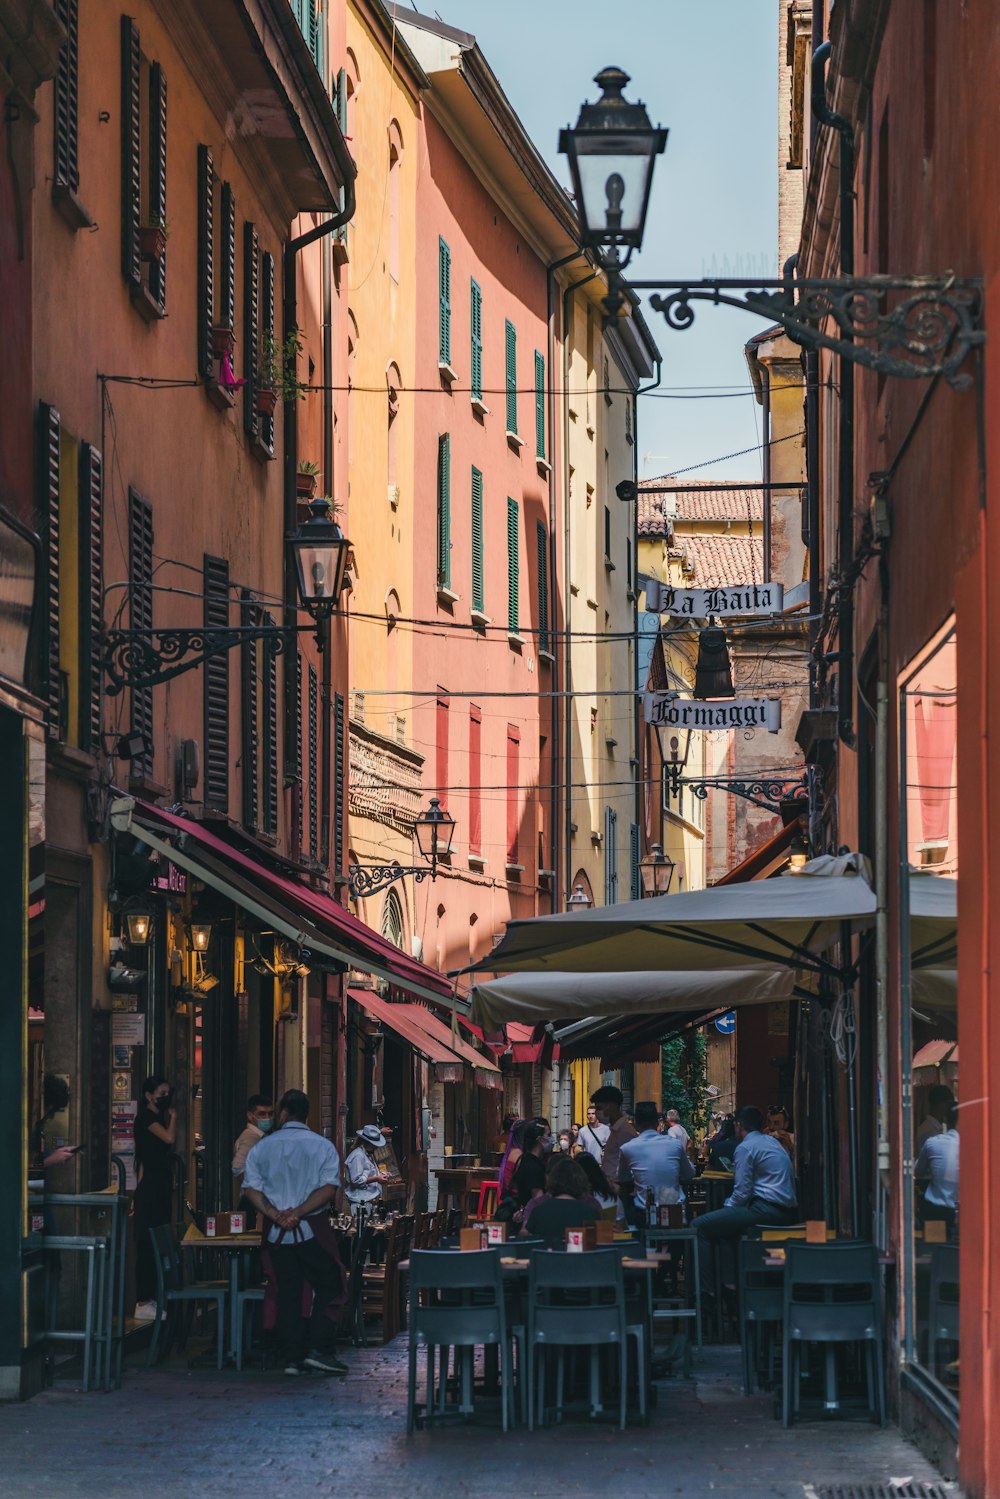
<point x="455" y="1183"/>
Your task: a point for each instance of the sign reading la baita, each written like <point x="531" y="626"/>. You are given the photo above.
<point x="671" y="712"/>
<point x="732" y="600"/>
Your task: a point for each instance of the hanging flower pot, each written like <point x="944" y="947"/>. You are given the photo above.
<point x="223" y="342"/>
<point x="152" y="241"/>
<point x="305" y="481"/>
<point x="265" y="400"/>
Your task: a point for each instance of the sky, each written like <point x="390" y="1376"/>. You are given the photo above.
<point x="708" y="73"/>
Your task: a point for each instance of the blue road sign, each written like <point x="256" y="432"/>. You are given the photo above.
<point x="726" y="1023"/>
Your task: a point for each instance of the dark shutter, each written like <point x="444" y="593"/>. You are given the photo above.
<point x="140" y="554"/>
<point x="248" y="751"/>
<point x="478" y="595"/>
<point x="295" y="738"/>
<point x="313" y="712"/>
<point x="476" y="328"/>
<point x="266" y="423"/>
<point x="444" y="303"/>
<point x="131" y="154"/>
<point x="91" y="548"/>
<point x="340" y="782"/>
<point x="216" y="589"/>
<point x="316" y="33"/>
<point x="158" y="176"/>
<point x="206" y="258"/>
<point x="543" y="588"/>
<point x="227" y="260"/>
<point x="510" y="354"/>
<point x="66" y="163"/>
<point x="635" y="880"/>
<point x="444" y="511"/>
<point x="48" y="520"/>
<point x="269" y="735"/>
<point x="251" y="327"/>
<point x="513" y="567"/>
<point x="539" y="405"/>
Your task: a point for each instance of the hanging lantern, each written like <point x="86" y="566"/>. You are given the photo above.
<point x="714" y="672"/>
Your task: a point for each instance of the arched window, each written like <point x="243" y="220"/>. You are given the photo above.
<point x="393" y="382"/>
<point x="353" y="82"/>
<point x="352" y="358"/>
<point x="395" y="157"/>
<point x="392" y="919"/>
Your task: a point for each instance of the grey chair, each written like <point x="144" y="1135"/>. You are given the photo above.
<point x="832" y="1295"/>
<point x="456" y="1301"/>
<point x="942" y="1306"/>
<point x="575" y="1300"/>
<point x="173" y="1297"/>
<point x="761" y="1295"/>
<point x="94" y="1333"/>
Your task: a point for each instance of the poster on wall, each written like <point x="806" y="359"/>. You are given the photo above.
<point x="128" y="1030"/>
<point x="123" y="1112"/>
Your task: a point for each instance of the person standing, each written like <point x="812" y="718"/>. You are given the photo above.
<point x="363" y="1176"/>
<point x="676" y="1130"/>
<point x="608" y="1102"/>
<point x="650" y="1164"/>
<point x="594" y="1135"/>
<point x="763" y="1192"/>
<point x="155" y="1136"/>
<point x="260" y="1122"/>
<point x="291" y="1176"/>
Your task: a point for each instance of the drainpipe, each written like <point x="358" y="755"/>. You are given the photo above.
<point x="845" y="515"/>
<point x="637" y="725"/>
<point x="881" y="909"/>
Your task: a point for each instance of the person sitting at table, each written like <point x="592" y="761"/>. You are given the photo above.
<point x="564" y="1205"/>
<point x="601" y="1194"/>
<point x="260" y="1122"/>
<point x="763" y="1192"/>
<point x="722" y="1146"/>
<point x="651" y="1165"/>
<point x="937" y="1166"/>
<point x="777" y="1127"/>
<point x="940" y="1102"/>
<point x="364" y="1179"/>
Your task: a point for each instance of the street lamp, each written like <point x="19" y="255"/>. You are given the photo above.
<point x="612" y="150"/>
<point x="321" y="550"/>
<point x="656" y="871"/>
<point x="201" y="935"/>
<point x="140" y="924"/>
<point x="434" y="829"/>
<point x="798" y="854"/>
<point x="579" y="900"/>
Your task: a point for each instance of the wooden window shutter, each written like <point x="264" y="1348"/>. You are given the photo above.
<point x="131" y="153"/>
<point x="66" y="165"/>
<point x="476" y="326"/>
<point x="513" y="566"/>
<point x="216" y="726"/>
<point x="444" y="297"/>
<point x="340" y="781"/>
<point x="340" y="235"/>
<point x="442" y="767"/>
<point x="266" y="423"/>
<point x="544" y="643"/>
<point x="610" y="856"/>
<point x="477" y="541"/>
<point x="206" y="259"/>
<point x="539" y="405"/>
<point x="510" y="342"/>
<point x="635" y="881"/>
<point x="250" y="707"/>
<point x="313" y="719"/>
<point x="316" y="32"/>
<point x="140" y="602"/>
<point x="294" y="737"/>
<point x="227" y="259"/>
<point x="269" y="735"/>
<point x="158" y="176"/>
<point x="91" y="547"/>
<point x="475" y="779"/>
<point x="444" y="511"/>
<point x="251" y="327"/>
<point x="48" y="516"/>
<point x="513" y="793"/>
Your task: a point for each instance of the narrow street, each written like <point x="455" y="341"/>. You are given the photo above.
<point x="220" y="1435"/>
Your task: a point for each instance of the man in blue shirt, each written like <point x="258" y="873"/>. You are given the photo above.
<point x="650" y="1162"/>
<point x="763" y="1192"/>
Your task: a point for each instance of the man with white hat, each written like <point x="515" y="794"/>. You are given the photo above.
<point x="364" y="1180"/>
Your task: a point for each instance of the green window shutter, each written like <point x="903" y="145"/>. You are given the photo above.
<point x="341" y="100"/>
<point x="131" y="153"/>
<point x="444" y="295"/>
<point x="476" y="325"/>
<point x="444" y="511"/>
<point x="513" y="567"/>
<point x="477" y="541"/>
<point x="510" y="335"/>
<point x="316" y="33"/>
<point x="266" y="423"/>
<point x="206" y="258"/>
<point x="543" y="588"/>
<point x="158" y="176"/>
<point x="539" y="405"/>
<point x="65" y="98"/>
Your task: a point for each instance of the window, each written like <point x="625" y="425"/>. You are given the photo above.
<point x="510" y="344"/>
<point x="539" y="405"/>
<point x="312" y="724"/>
<point x="65" y="137"/>
<point x="395" y="157"/>
<point x="392" y="919"/>
<point x="475" y="780"/>
<point x="610" y="856"/>
<point x="544" y="641"/>
<point x="216" y="700"/>
<point x="444" y="511"/>
<point x="607" y="381"/>
<point x="513" y="567"/>
<point x="144" y="176"/>
<point x="341" y="789"/>
<point x="393" y="382"/>
<point x="607" y="533"/>
<point x="628" y="420"/>
<point x="140" y="608"/>
<point x="216" y="267"/>
<point x="444" y="303"/>
<point x="259" y="713"/>
<point x="478" y="604"/>
<point x="261" y="354"/>
<point x="441" y="767"/>
<point x="513" y="793"/>
<point x="476" y="334"/>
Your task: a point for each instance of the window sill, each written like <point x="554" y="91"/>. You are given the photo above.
<point x="631" y="595"/>
<point x="629" y="439"/>
<point x="514" y="640"/>
<point x="69" y="206"/>
<point x="393" y="495"/>
<point x="448" y="375"/>
<point x="479" y="619"/>
<point x="221" y="398"/>
<point x="515" y="870"/>
<point x="144" y="303"/>
<point x="514" y="442"/>
<point x="547" y="657"/>
<point x="479" y="406"/>
<point x="609" y="566"/>
<point x="261" y="451"/>
<point x="546" y="874"/>
<point x="612" y="744"/>
<point x="341" y="253"/>
<point x="543" y="466"/>
<point x="477" y="863"/>
<point x="447" y="596"/>
<point x="591" y="430"/>
<point x="607" y="399"/>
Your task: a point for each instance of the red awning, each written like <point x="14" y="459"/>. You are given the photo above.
<point x="400" y="1018"/>
<point x="224" y="866"/>
<point x="527" y="1042"/>
<point x="488" y="1074"/>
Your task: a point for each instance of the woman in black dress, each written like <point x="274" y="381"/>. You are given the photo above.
<point x="155" y="1135"/>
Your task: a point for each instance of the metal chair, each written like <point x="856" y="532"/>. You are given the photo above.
<point x="942" y="1306"/>
<point x="353" y="1314"/>
<point x="243" y="1302"/>
<point x="95" y="1331"/>
<point x="456" y="1301"/>
<point x="575" y="1300"/>
<point x="171" y="1293"/>
<point x="832" y="1295"/>
<point x="761" y="1294"/>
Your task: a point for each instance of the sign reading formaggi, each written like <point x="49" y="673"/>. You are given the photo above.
<point x="731" y="599"/>
<point x="670" y="712"/>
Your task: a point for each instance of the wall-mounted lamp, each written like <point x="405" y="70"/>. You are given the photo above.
<point x="140" y="925"/>
<point x="201" y="935"/>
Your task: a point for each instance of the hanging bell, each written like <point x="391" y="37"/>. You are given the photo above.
<point x="714" y="672"/>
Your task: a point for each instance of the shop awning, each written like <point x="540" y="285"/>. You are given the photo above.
<point x="432" y="1038"/>
<point x="314" y="920"/>
<point x="487" y="1073"/>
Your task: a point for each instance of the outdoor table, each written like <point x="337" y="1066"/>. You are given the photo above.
<point x="718" y="1185"/>
<point x="687" y="1235"/>
<point x="107" y="1200"/>
<point x="235" y="1247"/>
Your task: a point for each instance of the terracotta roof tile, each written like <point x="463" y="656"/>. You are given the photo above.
<point x="701" y="501"/>
<point x="723" y="559"/>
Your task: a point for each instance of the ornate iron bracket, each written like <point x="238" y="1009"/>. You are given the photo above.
<point x="145" y="658"/>
<point x="914" y="327"/>
<point x="768" y="792"/>
<point x="369" y="879"/>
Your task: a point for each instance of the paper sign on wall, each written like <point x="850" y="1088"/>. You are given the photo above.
<point x="128" y="1030"/>
<point x="668" y="711"/>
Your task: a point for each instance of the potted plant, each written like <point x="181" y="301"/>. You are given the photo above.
<point x="306" y="479"/>
<point x="223" y="341"/>
<point x="276" y="373"/>
<point x="153" y="238"/>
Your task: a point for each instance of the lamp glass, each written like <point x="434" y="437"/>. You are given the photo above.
<point x="656" y="872"/>
<point x="140" y="924"/>
<point x="201" y="935"/>
<point x="321" y="551"/>
<point x="435" y="831"/>
<point x="579" y="900"/>
<point x="612" y="150"/>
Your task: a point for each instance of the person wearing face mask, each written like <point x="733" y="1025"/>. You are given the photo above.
<point x="260" y="1122"/>
<point x="155" y="1137"/>
<point x="528" y="1180"/>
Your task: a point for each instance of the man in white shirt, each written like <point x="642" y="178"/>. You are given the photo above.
<point x="291" y="1177"/>
<point x="676" y="1130"/>
<point x="937" y="1166"/>
<point x="594" y="1135"/>
<point x="652" y="1164"/>
<point x="260" y="1122"/>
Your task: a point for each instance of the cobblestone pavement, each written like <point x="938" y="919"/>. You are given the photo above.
<point x="181" y="1434"/>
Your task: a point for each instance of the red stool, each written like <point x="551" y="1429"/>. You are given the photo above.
<point x="488" y="1194"/>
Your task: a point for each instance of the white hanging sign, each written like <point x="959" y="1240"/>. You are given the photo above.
<point x="729" y="599"/>
<point x="668" y="711"/>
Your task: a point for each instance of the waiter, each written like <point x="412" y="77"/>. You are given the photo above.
<point x="364" y="1179"/>
<point x="290" y="1178"/>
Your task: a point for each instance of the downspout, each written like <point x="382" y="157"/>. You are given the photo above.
<point x="765" y="376"/>
<point x="845" y="459"/>
<point x="639" y="687"/>
<point x="881" y="911"/>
